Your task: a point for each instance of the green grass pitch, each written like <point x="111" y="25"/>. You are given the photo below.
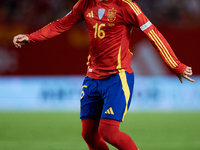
<point x="62" y="131"/>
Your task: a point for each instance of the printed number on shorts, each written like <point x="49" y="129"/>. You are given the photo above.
<point x="83" y="93"/>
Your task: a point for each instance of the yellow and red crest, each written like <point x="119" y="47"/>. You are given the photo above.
<point x="111" y="15"/>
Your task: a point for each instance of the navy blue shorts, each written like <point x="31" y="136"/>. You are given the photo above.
<point x="107" y="98"/>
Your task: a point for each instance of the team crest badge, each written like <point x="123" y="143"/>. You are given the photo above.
<point x="101" y="12"/>
<point x="111" y="15"/>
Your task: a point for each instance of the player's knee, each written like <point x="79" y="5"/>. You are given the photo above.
<point x="107" y="133"/>
<point x="89" y="136"/>
<point x="108" y="128"/>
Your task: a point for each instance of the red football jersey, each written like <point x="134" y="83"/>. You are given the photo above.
<point x="109" y="25"/>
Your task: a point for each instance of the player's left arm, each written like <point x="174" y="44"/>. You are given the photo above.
<point x="187" y="72"/>
<point x="165" y="50"/>
<point x="135" y="16"/>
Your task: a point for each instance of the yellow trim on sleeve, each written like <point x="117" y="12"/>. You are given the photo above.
<point x="166" y="49"/>
<point x="160" y="50"/>
<point x="165" y="53"/>
<point x="134" y="7"/>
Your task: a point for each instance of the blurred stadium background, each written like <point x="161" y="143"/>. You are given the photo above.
<point x="40" y="84"/>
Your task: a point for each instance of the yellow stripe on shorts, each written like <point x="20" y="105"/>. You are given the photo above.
<point x="125" y="88"/>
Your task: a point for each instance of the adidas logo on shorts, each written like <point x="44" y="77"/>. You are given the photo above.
<point x="109" y="111"/>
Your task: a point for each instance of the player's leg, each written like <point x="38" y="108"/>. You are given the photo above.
<point x="117" y="99"/>
<point x="91" y="108"/>
<point x="109" y="130"/>
<point x="91" y="135"/>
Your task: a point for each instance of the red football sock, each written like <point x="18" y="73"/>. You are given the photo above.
<point x="109" y="130"/>
<point x="91" y="136"/>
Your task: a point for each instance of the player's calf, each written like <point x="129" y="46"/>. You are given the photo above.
<point x="109" y="131"/>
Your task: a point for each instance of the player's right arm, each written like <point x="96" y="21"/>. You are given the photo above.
<point x="20" y="40"/>
<point x="53" y="29"/>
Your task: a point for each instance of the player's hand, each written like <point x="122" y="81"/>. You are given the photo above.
<point x="20" y="40"/>
<point x="185" y="74"/>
